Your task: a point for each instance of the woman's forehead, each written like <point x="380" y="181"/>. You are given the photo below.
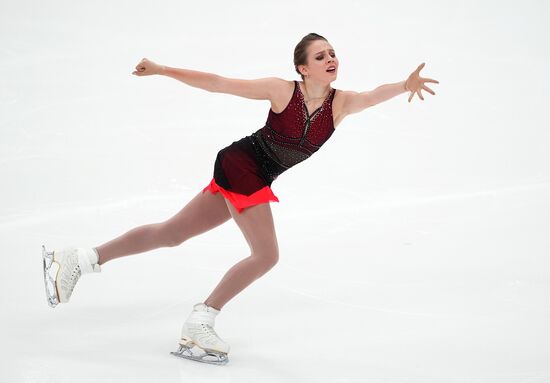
<point x="318" y="46"/>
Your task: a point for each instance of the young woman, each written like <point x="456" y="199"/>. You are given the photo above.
<point x="302" y="117"/>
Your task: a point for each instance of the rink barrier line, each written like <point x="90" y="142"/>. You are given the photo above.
<point x="38" y="216"/>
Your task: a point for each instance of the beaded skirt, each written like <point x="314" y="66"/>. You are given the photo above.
<point x="243" y="174"/>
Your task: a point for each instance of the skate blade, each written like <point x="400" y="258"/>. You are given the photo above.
<point x="210" y="357"/>
<point x="49" y="282"/>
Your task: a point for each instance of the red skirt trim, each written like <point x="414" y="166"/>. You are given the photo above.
<point x="241" y="201"/>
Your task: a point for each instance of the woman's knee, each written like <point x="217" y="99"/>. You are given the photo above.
<point x="168" y="235"/>
<point x="268" y="257"/>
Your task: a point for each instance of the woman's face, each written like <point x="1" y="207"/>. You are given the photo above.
<point x="320" y="57"/>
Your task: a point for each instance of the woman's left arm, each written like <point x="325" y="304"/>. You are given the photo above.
<point x="414" y="84"/>
<point x="356" y="102"/>
<point x="385" y="92"/>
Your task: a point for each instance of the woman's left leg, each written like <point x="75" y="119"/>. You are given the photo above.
<point x="256" y="224"/>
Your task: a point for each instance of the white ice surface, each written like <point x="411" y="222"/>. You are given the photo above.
<point x="414" y="246"/>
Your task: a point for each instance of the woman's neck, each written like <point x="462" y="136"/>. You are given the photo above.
<point x="315" y="90"/>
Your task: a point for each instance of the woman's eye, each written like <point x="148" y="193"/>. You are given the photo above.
<point x="321" y="57"/>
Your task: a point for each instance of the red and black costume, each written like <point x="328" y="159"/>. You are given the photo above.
<point x="245" y="170"/>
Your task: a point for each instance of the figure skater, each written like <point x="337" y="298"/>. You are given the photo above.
<point x="302" y="117"/>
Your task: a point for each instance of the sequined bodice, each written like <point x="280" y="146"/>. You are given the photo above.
<point x="293" y="135"/>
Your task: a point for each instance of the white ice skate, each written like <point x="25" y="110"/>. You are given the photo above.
<point x="198" y="331"/>
<point x="71" y="263"/>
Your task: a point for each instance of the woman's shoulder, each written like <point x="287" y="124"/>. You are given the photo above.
<point x="282" y="92"/>
<point x="280" y="85"/>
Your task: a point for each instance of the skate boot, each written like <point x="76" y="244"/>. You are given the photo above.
<point x="198" y="331"/>
<point x="71" y="263"/>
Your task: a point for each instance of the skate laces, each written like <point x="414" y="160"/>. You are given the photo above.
<point x="75" y="275"/>
<point x="209" y="329"/>
<point x="69" y="282"/>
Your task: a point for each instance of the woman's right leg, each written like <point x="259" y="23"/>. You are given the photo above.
<point x="204" y="212"/>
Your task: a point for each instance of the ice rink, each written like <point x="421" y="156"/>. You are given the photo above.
<point x="414" y="245"/>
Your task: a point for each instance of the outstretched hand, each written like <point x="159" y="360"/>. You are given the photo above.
<point x="415" y="83"/>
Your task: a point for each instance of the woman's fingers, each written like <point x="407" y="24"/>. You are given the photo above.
<point x="430" y="80"/>
<point x="428" y="89"/>
<point x="417" y="84"/>
<point x="144" y="67"/>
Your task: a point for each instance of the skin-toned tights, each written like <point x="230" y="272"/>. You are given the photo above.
<point x="203" y="213"/>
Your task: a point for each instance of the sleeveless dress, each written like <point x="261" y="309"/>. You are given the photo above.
<point x="245" y="170"/>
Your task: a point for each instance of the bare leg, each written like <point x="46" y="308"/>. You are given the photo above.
<point x="256" y="224"/>
<point x="204" y="212"/>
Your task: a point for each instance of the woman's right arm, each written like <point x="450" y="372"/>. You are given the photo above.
<point x="194" y="78"/>
<point x="203" y="80"/>
<point x="259" y="89"/>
